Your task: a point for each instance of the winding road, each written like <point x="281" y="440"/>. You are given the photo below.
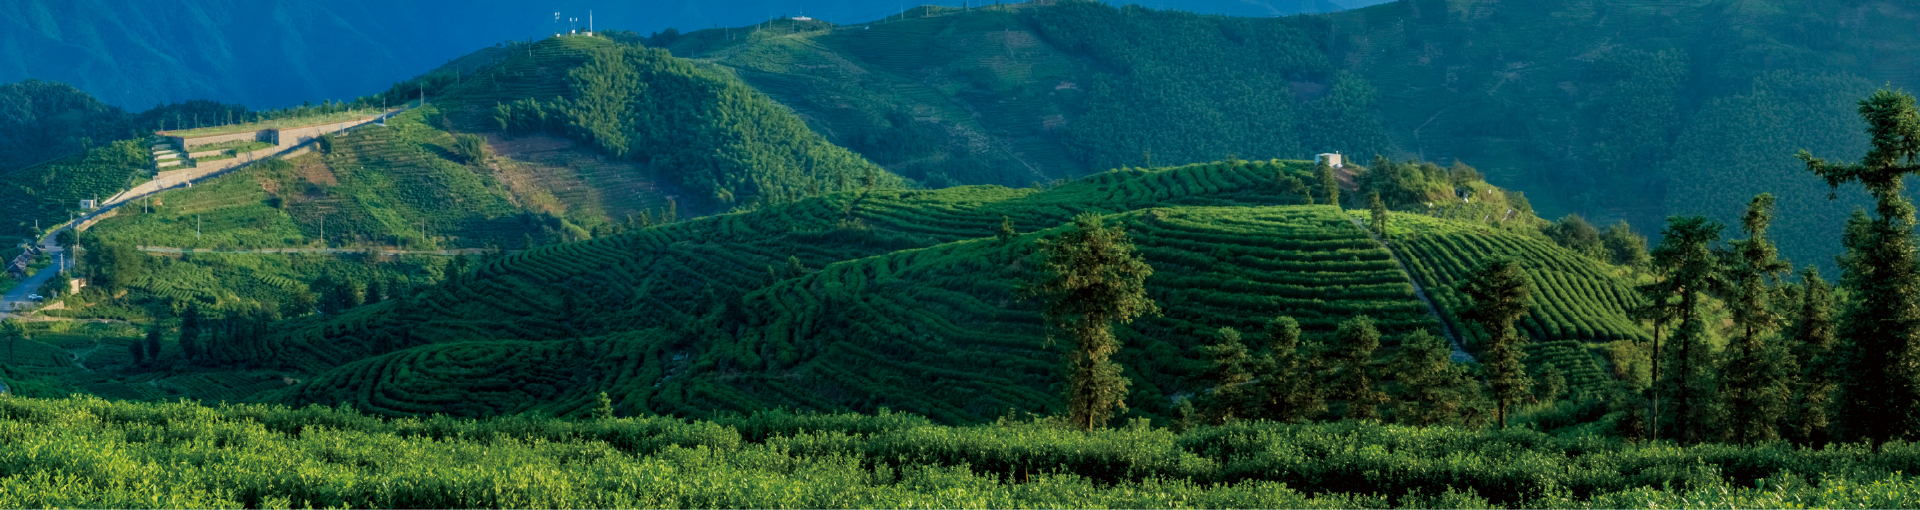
<point x="18" y="294"/>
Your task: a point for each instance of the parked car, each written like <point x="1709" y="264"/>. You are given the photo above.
<point x="36" y="297"/>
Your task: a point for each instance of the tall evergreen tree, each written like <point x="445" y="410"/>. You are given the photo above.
<point x="375" y="292"/>
<point x="1812" y="338"/>
<point x="1288" y="388"/>
<point x="1879" y="397"/>
<point x="152" y="344"/>
<point x="1501" y="294"/>
<point x="1006" y="231"/>
<point x="1094" y="279"/>
<point x="1329" y="184"/>
<point x="1756" y="379"/>
<point x="1685" y="256"/>
<point x="1433" y="389"/>
<point x="190" y="329"/>
<point x="1230" y="373"/>
<point x="1355" y="342"/>
<point x="1379" y="209"/>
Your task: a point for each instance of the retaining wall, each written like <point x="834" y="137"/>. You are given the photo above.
<point x="300" y="135"/>
<point x="189" y="143"/>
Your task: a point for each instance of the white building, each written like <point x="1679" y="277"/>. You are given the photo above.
<point x="1331" y="159"/>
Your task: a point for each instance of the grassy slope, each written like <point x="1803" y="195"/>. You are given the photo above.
<point x="905" y="300"/>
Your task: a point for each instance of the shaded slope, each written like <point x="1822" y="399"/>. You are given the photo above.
<point x="1009" y="94"/>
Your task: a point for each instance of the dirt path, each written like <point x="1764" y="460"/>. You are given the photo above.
<point x="1459" y="353"/>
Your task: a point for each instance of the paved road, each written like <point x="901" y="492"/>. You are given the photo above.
<point x="19" y="292"/>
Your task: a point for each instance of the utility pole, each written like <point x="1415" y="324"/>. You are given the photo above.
<point x="196" y="226"/>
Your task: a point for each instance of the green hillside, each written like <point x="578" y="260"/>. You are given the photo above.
<point x="1618" y="109"/>
<point x="696" y="129"/>
<point x="1638" y="109"/>
<point x="774" y="307"/>
<point x="1015" y="93"/>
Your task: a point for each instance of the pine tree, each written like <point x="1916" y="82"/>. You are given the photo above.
<point x="1095" y="279"/>
<point x="794" y="267"/>
<point x="1355" y="342"/>
<point x="1379" y="209"/>
<point x="603" y="407"/>
<point x="1812" y="338"/>
<point x="1686" y="258"/>
<point x="375" y="292"/>
<point x="152" y="345"/>
<point x="1879" y="395"/>
<point x="1230" y="399"/>
<point x="1329" y="184"/>
<point x="1006" y="231"/>
<point x="1501" y="294"/>
<point x="1289" y="388"/>
<point x="1756" y="381"/>
<point x="190" y="332"/>
<point x="1433" y="389"/>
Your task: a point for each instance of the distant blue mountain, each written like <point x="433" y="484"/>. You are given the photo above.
<point x="275" y="53"/>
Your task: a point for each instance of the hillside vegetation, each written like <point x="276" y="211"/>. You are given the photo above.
<point x="695" y="128"/>
<point x="1615" y="110"/>
<point x="1010" y="94"/>
<point x="85" y="452"/>
<point x="771" y="308"/>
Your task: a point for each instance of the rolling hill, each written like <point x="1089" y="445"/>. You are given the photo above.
<point x="1615" y="109"/>
<point x="773" y="307"/>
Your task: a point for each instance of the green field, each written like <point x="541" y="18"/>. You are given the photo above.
<point x="87" y="452"/>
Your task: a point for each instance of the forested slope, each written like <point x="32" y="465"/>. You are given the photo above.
<point x="1639" y="109"/>
<point x="697" y="129"/>
<point x="1614" y="109"/>
<point x="1010" y="94"/>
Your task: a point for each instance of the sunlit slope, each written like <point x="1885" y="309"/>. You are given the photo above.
<point x="668" y="275"/>
<point x="1579" y="304"/>
<point x="375" y="184"/>
<point x="942" y="331"/>
<point x="699" y="131"/>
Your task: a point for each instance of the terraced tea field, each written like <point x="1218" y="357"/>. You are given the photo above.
<point x="1578" y="305"/>
<point x="1576" y="300"/>
<point x="912" y="286"/>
